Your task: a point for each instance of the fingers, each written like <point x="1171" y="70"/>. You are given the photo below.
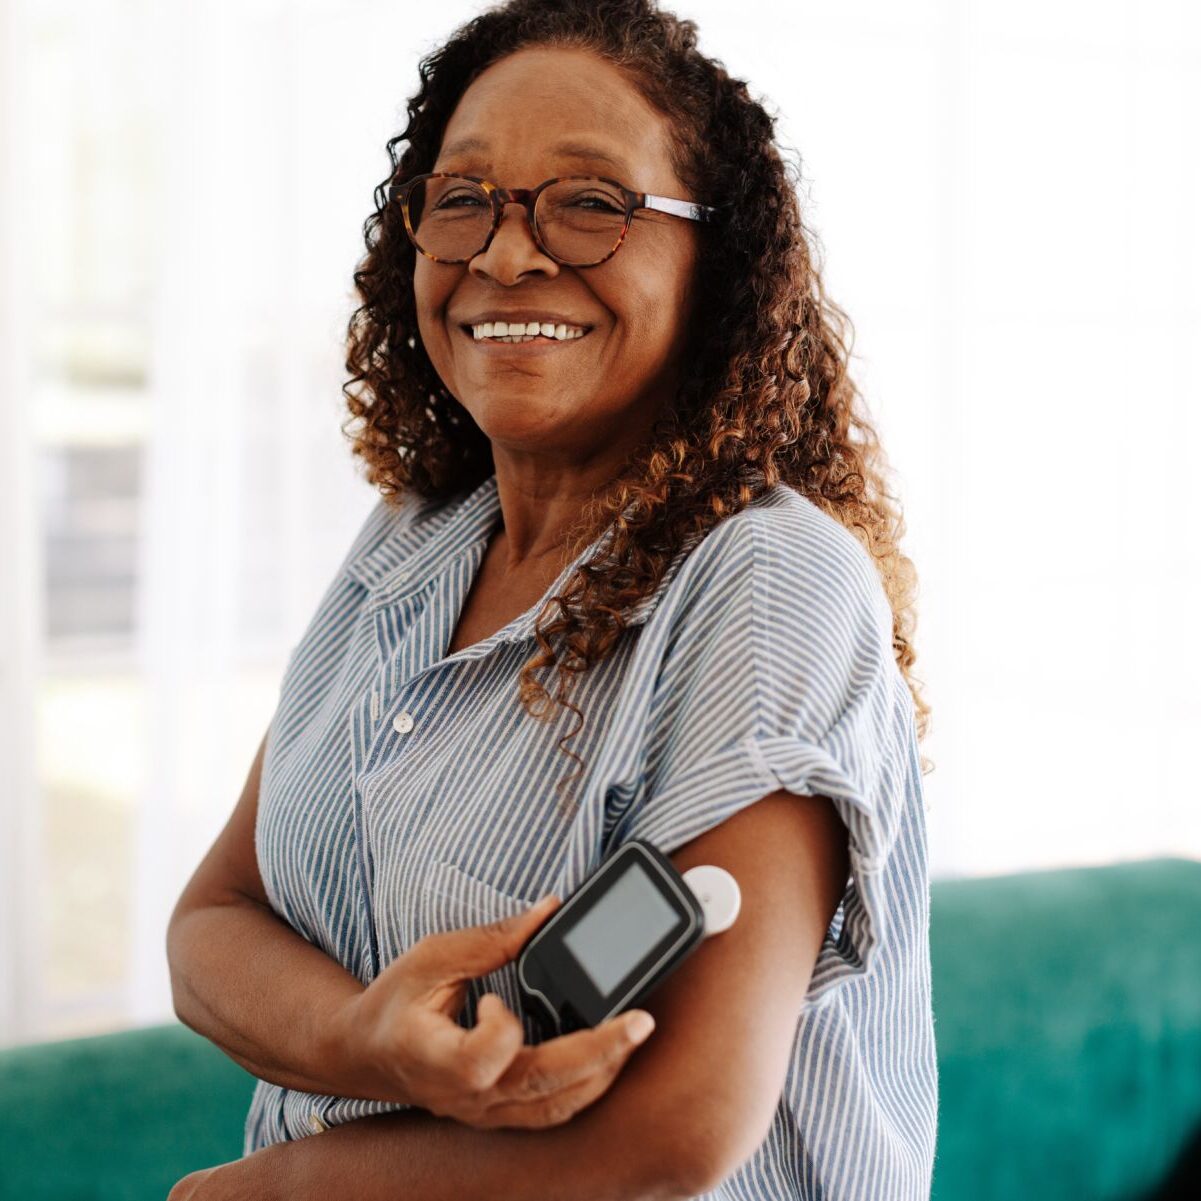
<point x="566" y="1061"/>
<point x="472" y="1060"/>
<point x="492" y="1043"/>
<point x="486" y="1077"/>
<point x="477" y="950"/>
<point x="552" y="1082"/>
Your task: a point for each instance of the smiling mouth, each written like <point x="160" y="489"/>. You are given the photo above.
<point x="524" y="339"/>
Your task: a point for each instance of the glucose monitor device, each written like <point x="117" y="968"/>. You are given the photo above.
<point x="616" y="937"/>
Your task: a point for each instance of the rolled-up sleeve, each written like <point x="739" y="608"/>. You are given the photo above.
<point x="780" y="674"/>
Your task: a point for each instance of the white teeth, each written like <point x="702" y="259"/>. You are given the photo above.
<point x="522" y="330"/>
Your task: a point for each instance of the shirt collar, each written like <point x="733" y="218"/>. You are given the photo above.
<point x="415" y="552"/>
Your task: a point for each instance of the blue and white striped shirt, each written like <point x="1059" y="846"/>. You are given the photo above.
<point x="405" y="791"/>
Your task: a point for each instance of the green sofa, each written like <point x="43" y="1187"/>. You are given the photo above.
<point x="1067" y="1013"/>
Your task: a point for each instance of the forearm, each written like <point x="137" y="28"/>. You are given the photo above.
<point x="414" y="1156"/>
<point x="267" y="997"/>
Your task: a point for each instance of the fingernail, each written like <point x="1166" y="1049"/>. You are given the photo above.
<point x="639" y="1025"/>
<point x="546" y="901"/>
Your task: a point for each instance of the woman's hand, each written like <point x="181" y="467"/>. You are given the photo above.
<point x="402" y="1034"/>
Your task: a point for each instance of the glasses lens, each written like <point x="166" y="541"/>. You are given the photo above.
<point x="450" y="217"/>
<point x="580" y="220"/>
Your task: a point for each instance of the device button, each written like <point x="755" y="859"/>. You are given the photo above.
<point x="402" y="723"/>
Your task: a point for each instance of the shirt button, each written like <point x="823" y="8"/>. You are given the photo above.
<point x="402" y="723"/>
<point x="316" y="1125"/>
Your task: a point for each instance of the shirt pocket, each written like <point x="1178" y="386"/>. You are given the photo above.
<point x="450" y="899"/>
<point x="453" y="898"/>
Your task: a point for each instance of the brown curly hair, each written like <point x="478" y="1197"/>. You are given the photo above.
<point x="765" y="395"/>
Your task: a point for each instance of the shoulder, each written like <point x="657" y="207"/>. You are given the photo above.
<point x="798" y="540"/>
<point x="393" y="527"/>
<point x="788" y="559"/>
<point x="383" y="517"/>
<point x="401" y="511"/>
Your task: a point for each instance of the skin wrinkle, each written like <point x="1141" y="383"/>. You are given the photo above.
<point x="573" y="149"/>
<point x="562" y="425"/>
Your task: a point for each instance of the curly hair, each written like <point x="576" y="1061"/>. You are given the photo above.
<point x="764" y="397"/>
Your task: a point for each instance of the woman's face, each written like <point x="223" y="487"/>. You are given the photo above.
<point x="604" y="390"/>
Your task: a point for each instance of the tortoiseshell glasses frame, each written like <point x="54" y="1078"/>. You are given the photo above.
<point x="528" y="197"/>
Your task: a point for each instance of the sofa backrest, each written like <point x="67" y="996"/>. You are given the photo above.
<point x="1067" y="1016"/>
<point x="1067" y="1011"/>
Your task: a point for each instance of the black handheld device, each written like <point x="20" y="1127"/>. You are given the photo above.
<point x="619" y="934"/>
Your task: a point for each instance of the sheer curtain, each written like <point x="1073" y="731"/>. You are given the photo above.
<point x="1006" y="197"/>
<point x="20" y="594"/>
<point x="250" y="494"/>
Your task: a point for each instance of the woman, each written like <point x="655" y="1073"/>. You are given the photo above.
<point x="653" y="481"/>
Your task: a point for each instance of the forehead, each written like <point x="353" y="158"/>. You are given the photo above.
<point x="556" y="111"/>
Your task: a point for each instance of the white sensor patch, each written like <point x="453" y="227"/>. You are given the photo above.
<point x="718" y="893"/>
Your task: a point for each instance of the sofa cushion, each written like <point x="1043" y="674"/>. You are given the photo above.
<point x="118" y="1117"/>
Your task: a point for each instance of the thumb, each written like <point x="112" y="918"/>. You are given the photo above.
<point x="477" y="950"/>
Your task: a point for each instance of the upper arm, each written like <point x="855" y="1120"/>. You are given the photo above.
<point x="709" y="1079"/>
<point x="230" y="870"/>
<point x="772" y="747"/>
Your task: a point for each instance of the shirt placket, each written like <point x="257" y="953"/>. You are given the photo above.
<point x="408" y="645"/>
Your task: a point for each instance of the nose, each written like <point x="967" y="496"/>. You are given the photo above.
<point x="510" y="255"/>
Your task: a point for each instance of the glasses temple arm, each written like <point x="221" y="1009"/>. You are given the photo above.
<point x="679" y="208"/>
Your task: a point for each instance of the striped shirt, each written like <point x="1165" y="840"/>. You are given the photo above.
<point x="405" y="791"/>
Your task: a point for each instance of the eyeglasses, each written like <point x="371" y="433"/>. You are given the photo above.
<point x="577" y="220"/>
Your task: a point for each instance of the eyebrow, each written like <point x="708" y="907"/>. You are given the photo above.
<point x="577" y="150"/>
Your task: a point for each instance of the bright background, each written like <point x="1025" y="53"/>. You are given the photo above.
<point x="1007" y="194"/>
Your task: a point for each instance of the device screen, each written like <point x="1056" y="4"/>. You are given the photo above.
<point x="623" y="926"/>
